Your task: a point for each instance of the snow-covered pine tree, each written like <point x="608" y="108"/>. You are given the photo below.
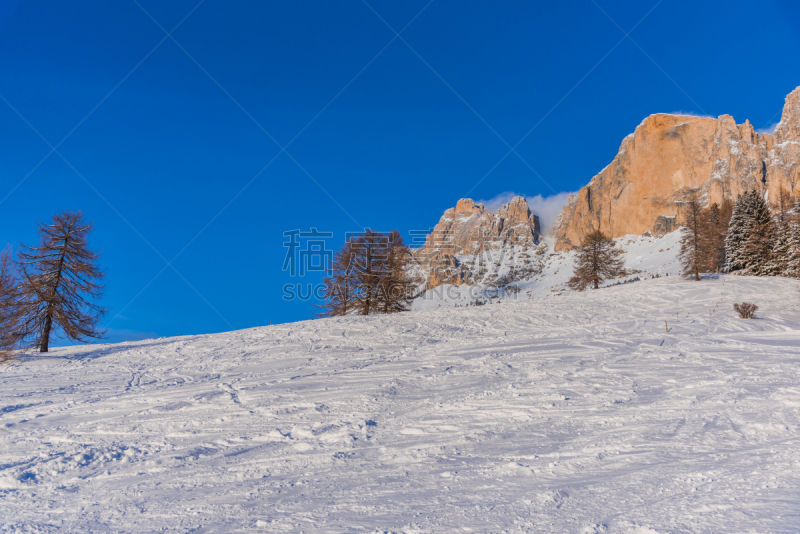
<point x="781" y="221"/>
<point x="757" y="256"/>
<point x="738" y="230"/>
<point x="793" y="263"/>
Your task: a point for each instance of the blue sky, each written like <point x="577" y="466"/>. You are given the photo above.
<point x="173" y="144"/>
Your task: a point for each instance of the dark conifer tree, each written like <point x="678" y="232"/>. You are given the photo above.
<point x="793" y="263"/>
<point x="598" y="259"/>
<point x="782" y="224"/>
<point x="60" y="284"/>
<point x="738" y="231"/>
<point x="757" y="256"/>
<point x="697" y="239"/>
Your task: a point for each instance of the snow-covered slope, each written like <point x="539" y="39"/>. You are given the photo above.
<point x="540" y="272"/>
<point x="571" y="414"/>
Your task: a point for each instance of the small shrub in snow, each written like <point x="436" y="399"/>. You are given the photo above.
<point x="746" y="310"/>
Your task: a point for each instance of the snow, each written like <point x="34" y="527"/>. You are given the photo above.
<point x="645" y="257"/>
<point x="579" y="413"/>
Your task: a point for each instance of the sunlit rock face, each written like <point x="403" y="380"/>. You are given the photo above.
<point x="470" y="243"/>
<point x="669" y="155"/>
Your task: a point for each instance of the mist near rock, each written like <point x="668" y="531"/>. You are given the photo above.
<point x="546" y="208"/>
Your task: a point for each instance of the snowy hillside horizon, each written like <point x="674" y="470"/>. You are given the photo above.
<point x="643" y="407"/>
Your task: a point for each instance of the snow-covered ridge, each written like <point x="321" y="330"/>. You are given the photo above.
<point x="572" y="414"/>
<point x="515" y="273"/>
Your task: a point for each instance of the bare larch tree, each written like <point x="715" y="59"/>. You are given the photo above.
<point x="340" y="285"/>
<point x="719" y="218"/>
<point x="598" y="259"/>
<point x="60" y="284"/>
<point x="9" y="308"/>
<point x="369" y="276"/>
<point x="697" y="253"/>
<point x="369" y="265"/>
<point x="397" y="290"/>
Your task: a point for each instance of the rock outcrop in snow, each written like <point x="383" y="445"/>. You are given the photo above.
<point x="471" y="245"/>
<point x="643" y="188"/>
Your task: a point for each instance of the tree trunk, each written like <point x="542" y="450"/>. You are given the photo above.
<point x="44" y="344"/>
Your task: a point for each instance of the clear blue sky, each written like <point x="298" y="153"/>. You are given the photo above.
<point x="172" y="162"/>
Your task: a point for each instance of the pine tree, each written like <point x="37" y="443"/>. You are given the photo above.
<point x="60" y="282"/>
<point x="9" y="309"/>
<point x="750" y="237"/>
<point x="781" y="221"/>
<point x="738" y="230"/>
<point x="697" y="239"/>
<point x="757" y="257"/>
<point x="793" y="263"/>
<point x="597" y="259"/>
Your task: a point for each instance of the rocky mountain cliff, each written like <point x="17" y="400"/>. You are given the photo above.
<point x="471" y="245"/>
<point x="669" y="155"/>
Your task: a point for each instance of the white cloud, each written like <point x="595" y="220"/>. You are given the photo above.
<point x="768" y="130"/>
<point x="547" y="208"/>
<point x="691" y="114"/>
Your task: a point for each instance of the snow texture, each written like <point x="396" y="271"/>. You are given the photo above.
<point x="579" y="413"/>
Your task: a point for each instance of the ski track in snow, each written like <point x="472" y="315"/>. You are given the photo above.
<point x="571" y="414"/>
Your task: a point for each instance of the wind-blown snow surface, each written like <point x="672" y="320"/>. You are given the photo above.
<point x="571" y="414"/>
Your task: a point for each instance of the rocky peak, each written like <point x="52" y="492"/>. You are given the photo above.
<point x="470" y="230"/>
<point x="789" y="127"/>
<point x="516" y="224"/>
<point x="643" y="188"/>
<point x="467" y="205"/>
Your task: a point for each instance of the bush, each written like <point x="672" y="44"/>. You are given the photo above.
<point x="746" y="310"/>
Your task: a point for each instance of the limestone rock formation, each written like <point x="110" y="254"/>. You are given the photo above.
<point x="471" y="245"/>
<point x="669" y="155"/>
